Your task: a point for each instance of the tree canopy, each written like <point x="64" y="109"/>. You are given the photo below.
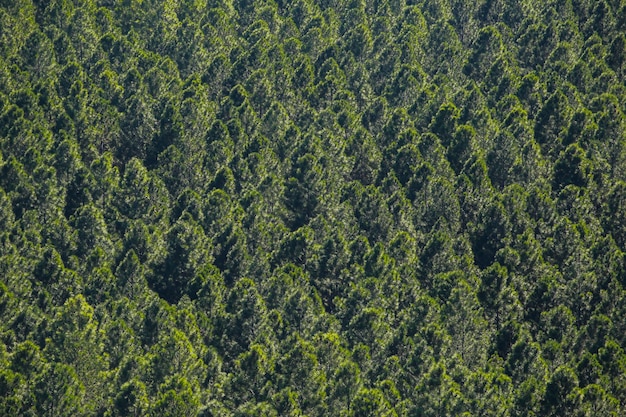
<point x="360" y="208"/>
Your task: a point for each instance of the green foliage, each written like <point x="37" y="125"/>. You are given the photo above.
<point x="315" y="207"/>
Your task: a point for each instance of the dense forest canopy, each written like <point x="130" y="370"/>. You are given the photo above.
<point x="308" y="208"/>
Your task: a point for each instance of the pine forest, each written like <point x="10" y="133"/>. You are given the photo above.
<point x="313" y="208"/>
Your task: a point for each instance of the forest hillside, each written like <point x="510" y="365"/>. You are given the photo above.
<point x="312" y="208"/>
